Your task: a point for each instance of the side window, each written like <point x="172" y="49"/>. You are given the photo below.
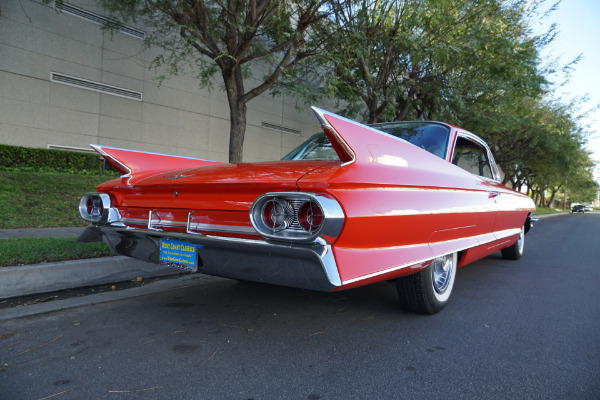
<point x="472" y="157"/>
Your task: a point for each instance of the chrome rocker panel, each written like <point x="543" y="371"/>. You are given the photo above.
<point x="306" y="266"/>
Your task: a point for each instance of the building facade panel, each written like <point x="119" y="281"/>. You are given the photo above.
<point x="176" y="117"/>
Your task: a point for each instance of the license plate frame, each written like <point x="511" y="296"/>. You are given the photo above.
<point x="179" y="254"/>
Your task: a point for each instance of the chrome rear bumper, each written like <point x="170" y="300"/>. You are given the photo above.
<point x="308" y="266"/>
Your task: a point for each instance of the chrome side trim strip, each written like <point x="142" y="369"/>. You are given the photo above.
<point x="134" y="221"/>
<point x="221" y="228"/>
<point x="158" y="224"/>
<point x="488" y="239"/>
<point x="385" y="271"/>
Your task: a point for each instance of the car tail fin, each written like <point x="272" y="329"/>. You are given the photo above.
<point x="134" y="162"/>
<point x="361" y="144"/>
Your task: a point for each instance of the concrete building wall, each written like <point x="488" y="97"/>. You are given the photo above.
<point x="176" y="118"/>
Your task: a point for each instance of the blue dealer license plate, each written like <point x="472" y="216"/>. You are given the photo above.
<point x="178" y="253"/>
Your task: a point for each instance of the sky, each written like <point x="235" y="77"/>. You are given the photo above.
<point x="579" y="33"/>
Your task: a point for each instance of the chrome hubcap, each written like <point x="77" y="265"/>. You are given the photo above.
<point x="521" y="241"/>
<point x="441" y="270"/>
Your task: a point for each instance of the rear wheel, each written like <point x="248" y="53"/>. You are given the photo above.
<point x="429" y="290"/>
<point x="515" y="251"/>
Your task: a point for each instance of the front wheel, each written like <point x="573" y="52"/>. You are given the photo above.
<point x="428" y="291"/>
<point x="515" y="251"/>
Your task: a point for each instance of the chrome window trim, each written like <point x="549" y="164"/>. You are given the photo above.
<point x="444" y="124"/>
<point x="474" y="138"/>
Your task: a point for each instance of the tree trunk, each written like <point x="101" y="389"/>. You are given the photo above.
<point x="404" y="105"/>
<point x="234" y="87"/>
<point x="372" y="106"/>
<point x="237" y="132"/>
<point x="543" y="198"/>
<point x="552" y="198"/>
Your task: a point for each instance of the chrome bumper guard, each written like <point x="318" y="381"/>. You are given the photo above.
<point x="529" y="223"/>
<point x="307" y="266"/>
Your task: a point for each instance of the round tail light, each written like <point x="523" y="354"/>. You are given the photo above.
<point x="90" y="206"/>
<point x="277" y="214"/>
<point x="94" y="206"/>
<point x="310" y="216"/>
<point x="297" y="216"/>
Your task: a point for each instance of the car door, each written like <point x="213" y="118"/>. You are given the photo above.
<point x="472" y="155"/>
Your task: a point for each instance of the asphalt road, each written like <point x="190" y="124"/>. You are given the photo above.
<point x="527" y="329"/>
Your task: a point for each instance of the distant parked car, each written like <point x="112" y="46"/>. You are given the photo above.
<point x="587" y="208"/>
<point x="579" y="208"/>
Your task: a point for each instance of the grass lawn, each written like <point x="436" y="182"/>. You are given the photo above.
<point x="43" y="199"/>
<point x="546" y="210"/>
<point x="37" y="250"/>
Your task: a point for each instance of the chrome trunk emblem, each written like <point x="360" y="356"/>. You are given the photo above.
<point x="173" y="177"/>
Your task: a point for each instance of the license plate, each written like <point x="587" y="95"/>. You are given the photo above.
<point x="179" y="254"/>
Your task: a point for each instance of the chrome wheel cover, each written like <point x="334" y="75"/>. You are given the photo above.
<point x="521" y="241"/>
<point x="441" y="271"/>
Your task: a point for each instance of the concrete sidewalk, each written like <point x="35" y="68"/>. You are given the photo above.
<point x="40" y="232"/>
<point x="25" y="280"/>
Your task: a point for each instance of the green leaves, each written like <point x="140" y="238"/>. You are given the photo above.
<point x="218" y="40"/>
<point x="474" y="63"/>
<point x="426" y="59"/>
<point x="45" y="160"/>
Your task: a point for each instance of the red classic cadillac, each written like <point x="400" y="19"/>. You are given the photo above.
<point x="353" y="205"/>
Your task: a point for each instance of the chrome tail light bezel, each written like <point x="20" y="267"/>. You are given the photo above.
<point x="288" y="227"/>
<point x="98" y="208"/>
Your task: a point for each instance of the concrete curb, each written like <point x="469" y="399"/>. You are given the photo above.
<point x="49" y="277"/>
<point x="93" y="299"/>
<point x="40" y="232"/>
<point x="544" y="216"/>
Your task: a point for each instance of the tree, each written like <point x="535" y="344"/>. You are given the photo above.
<point x="584" y="190"/>
<point x="231" y="37"/>
<point x="539" y="145"/>
<point x="433" y="59"/>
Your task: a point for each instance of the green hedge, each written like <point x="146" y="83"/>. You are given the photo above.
<point x="36" y="159"/>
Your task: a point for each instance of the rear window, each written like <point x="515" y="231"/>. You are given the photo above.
<point x="429" y="136"/>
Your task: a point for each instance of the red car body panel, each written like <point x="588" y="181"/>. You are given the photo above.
<point x="231" y="187"/>
<point x="402" y="206"/>
<point x="135" y="165"/>
<point x="394" y="215"/>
